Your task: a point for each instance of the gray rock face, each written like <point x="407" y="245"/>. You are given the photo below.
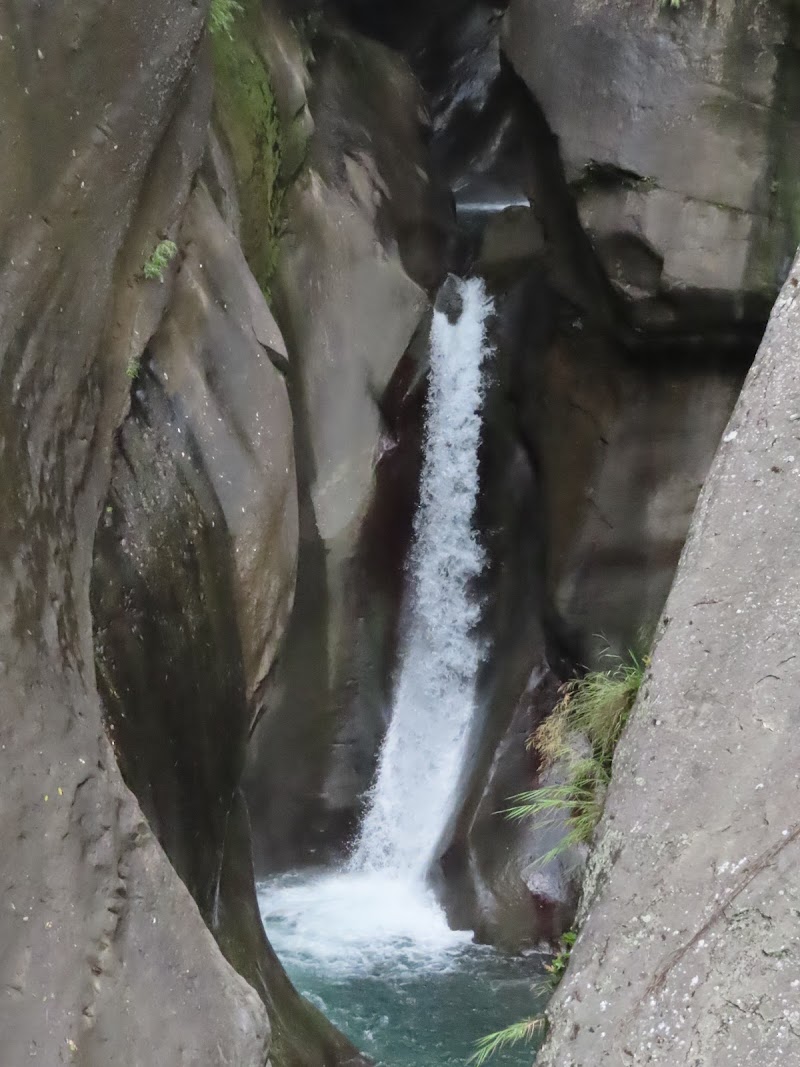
<point x="348" y="294"/>
<point x="212" y="357"/>
<point x="677" y="134"/>
<point x="105" y="959"/>
<point x="364" y="237"/>
<point x="347" y="343"/>
<point x="689" y="949"/>
<point x="625" y="446"/>
<point x="200" y="524"/>
<point x="192" y="586"/>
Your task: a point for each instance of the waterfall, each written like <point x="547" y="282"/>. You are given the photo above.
<point x="416" y="787"/>
<point x="370" y="944"/>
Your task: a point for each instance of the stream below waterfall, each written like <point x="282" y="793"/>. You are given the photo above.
<point x="369" y="944"/>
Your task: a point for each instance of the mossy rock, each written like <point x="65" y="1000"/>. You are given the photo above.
<point x="247" y="115"/>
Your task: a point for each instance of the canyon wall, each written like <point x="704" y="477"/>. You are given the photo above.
<point x="105" y="954"/>
<point x="146" y="404"/>
<point x="688" y="943"/>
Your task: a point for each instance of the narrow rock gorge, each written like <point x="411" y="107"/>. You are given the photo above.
<point x="364" y="364"/>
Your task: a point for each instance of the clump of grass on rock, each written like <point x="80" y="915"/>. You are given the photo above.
<point x="595" y="707"/>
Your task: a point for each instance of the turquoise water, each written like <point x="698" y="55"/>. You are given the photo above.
<point x="377" y="957"/>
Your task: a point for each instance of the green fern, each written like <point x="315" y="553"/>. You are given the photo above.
<point x="525" y="1030"/>
<point x="222" y="16"/>
<point x="162" y="256"/>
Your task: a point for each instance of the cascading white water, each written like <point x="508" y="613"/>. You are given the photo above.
<point x="423" y="753"/>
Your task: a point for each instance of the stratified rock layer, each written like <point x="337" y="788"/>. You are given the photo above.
<point x="690" y="950"/>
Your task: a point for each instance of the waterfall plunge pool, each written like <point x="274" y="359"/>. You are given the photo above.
<point x="375" y="954"/>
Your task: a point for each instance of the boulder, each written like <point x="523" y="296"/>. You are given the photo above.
<point x="677" y="131"/>
<point x="689" y="943"/>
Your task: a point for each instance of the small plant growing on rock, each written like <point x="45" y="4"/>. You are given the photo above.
<point x="558" y="966"/>
<point x="580" y="799"/>
<point x="596" y="707"/>
<point x="222" y="16"/>
<point x="527" y="1029"/>
<point x="163" y="254"/>
<point x="133" y="368"/>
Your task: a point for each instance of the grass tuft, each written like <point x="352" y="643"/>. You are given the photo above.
<point x="597" y="707"/>
<point x="578" y="802"/>
<point x="557" y="968"/>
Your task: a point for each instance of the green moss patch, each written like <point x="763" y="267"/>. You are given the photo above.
<point x="247" y="115"/>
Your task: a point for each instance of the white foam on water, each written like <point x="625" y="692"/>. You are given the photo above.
<point x="359" y="923"/>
